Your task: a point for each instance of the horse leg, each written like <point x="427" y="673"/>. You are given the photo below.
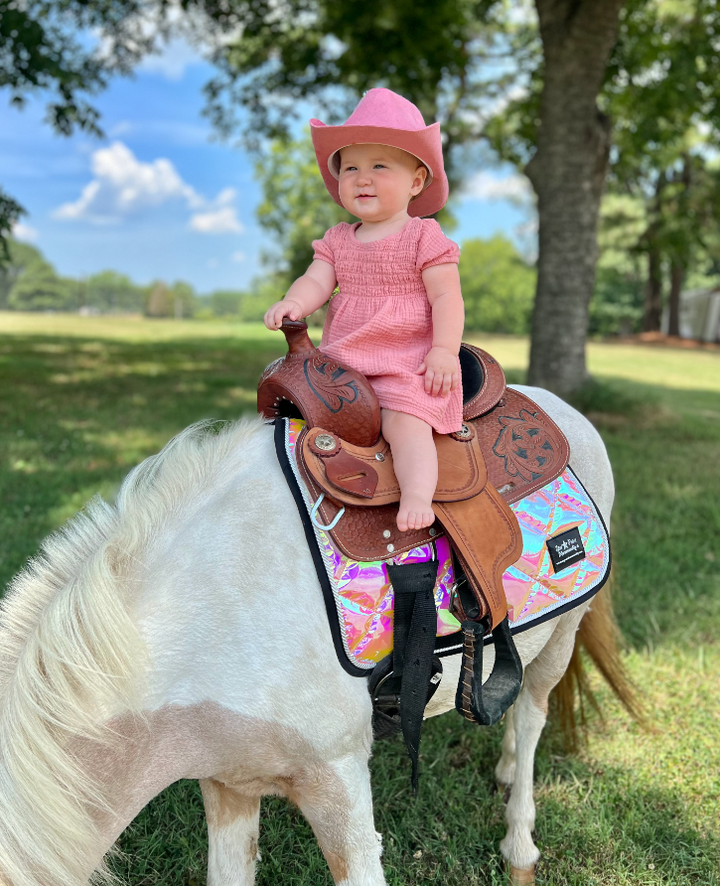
<point x="339" y="809"/>
<point x="233" y="829"/>
<point x="529" y="716"/>
<point x="505" y="769"/>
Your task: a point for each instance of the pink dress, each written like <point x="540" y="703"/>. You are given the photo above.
<point x="380" y="322"/>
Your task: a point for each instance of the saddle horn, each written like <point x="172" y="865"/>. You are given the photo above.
<point x="308" y="384"/>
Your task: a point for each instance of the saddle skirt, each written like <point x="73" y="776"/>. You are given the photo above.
<point x="565" y="559"/>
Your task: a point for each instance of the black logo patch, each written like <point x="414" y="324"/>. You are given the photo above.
<point x="566" y="549"/>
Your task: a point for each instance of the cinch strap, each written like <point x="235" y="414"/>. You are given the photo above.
<point x="413" y="643"/>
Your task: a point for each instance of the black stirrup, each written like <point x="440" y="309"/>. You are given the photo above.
<point x="485" y="704"/>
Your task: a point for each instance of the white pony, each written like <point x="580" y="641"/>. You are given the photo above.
<point x="135" y="652"/>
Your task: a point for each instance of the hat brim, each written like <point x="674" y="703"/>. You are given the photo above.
<point x="425" y="144"/>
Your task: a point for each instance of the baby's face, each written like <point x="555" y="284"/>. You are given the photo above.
<point x="377" y="181"/>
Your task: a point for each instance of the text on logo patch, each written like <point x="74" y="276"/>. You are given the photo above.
<point x="566" y="549"/>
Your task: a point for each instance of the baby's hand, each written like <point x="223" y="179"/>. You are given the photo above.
<point x="441" y="372"/>
<point x="276" y="313"/>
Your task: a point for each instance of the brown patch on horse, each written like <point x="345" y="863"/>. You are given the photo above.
<point x="540" y="697"/>
<point x="223" y="806"/>
<point x="337" y="864"/>
<point x="249" y="756"/>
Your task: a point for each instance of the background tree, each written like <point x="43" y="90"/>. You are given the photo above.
<point x="663" y="89"/>
<point x="296" y="207"/>
<point x="183" y="299"/>
<point x="616" y="307"/>
<point x="10" y="212"/>
<point x="112" y="293"/>
<point x="224" y="303"/>
<point x="498" y="286"/>
<point x="160" y="302"/>
<point x="37" y="286"/>
<point x="660" y="91"/>
<point x="19" y="257"/>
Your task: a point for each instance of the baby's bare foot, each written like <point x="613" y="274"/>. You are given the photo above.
<point x="415" y="512"/>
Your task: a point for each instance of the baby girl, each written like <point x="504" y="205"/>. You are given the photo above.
<point x="398" y="316"/>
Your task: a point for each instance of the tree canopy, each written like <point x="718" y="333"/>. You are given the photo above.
<point x="296" y="207"/>
<point x="431" y="51"/>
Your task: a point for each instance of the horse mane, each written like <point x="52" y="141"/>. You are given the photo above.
<point x="71" y="656"/>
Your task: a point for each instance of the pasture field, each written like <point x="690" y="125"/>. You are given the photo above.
<point x="82" y="400"/>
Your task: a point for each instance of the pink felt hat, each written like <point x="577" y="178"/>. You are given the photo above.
<point x="383" y="117"/>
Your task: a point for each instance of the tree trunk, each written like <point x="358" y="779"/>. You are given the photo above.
<point x="652" y="312"/>
<point x="568" y="174"/>
<point x="677" y="276"/>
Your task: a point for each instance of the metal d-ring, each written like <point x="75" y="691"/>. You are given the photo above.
<point x="313" y="515"/>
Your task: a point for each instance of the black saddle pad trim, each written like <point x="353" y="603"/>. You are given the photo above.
<point x="279" y="436"/>
<point x="450" y="644"/>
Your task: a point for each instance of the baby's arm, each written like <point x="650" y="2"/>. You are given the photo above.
<point x="440" y="366"/>
<point x="306" y="295"/>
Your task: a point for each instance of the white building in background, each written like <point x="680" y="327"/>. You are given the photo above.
<point x="699" y="315"/>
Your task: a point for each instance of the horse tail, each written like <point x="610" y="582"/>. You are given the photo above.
<point x="70" y="660"/>
<point x="599" y="637"/>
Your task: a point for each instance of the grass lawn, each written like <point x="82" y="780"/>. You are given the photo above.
<point x="84" y="399"/>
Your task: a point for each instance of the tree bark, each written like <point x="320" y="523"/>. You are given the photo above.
<point x="652" y="311"/>
<point x="677" y="276"/>
<point x="568" y="174"/>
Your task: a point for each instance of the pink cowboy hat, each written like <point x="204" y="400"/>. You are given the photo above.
<point x="385" y="118"/>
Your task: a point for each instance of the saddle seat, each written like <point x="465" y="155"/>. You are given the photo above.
<point x="507" y="447"/>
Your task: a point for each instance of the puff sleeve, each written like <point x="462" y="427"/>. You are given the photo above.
<point x="324" y="250"/>
<point x="434" y="248"/>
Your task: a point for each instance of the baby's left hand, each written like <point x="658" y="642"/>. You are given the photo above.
<point x="441" y="372"/>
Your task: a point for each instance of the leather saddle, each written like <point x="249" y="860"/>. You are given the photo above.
<point x="506" y="448"/>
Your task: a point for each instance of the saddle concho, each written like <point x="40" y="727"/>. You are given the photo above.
<point x="565" y="560"/>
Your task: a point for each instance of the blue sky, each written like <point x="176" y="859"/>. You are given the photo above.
<point x="160" y="197"/>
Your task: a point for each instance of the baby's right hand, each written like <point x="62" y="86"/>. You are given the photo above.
<point x="276" y="313"/>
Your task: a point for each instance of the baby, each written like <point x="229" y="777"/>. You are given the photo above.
<point x="398" y="316"/>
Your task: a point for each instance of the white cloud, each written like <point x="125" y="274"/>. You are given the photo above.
<point x="485" y="186"/>
<point x="217" y="221"/>
<point x="238" y="256"/>
<point x="221" y="218"/>
<point x="124" y="186"/>
<point x="25" y="232"/>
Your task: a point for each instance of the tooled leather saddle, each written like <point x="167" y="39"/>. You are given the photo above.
<point x="506" y="448"/>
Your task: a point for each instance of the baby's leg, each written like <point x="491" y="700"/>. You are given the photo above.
<point x="416" y="468"/>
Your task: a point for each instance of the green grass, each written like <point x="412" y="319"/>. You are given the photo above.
<point x="84" y="399"/>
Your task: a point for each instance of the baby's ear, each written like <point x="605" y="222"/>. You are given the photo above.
<point x="421" y="175"/>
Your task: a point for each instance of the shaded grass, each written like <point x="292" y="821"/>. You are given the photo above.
<point x="82" y="402"/>
<point x="76" y="414"/>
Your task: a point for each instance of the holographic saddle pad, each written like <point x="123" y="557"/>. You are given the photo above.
<point x="565" y="560"/>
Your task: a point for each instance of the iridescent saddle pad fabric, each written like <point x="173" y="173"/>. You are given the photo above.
<point x="565" y="560"/>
